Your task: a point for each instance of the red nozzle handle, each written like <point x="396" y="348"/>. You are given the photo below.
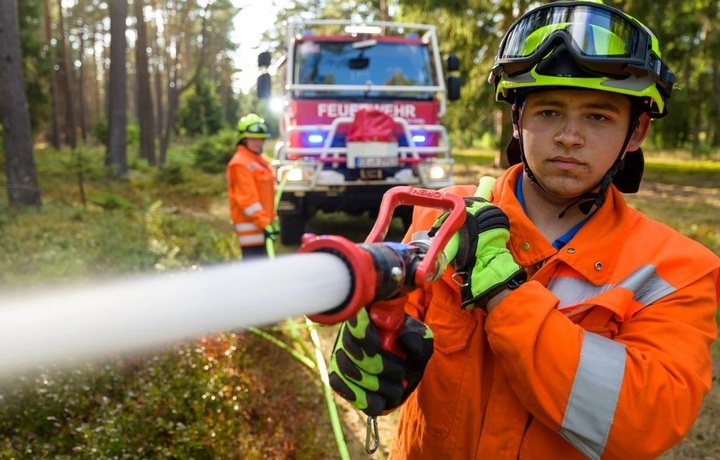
<point x="389" y="319"/>
<point x="389" y="315"/>
<point x="406" y="195"/>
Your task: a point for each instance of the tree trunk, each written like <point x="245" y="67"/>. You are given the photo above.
<point x="81" y="101"/>
<point x="22" y="186"/>
<point x="54" y="135"/>
<point x="505" y="135"/>
<point x="176" y="86"/>
<point x="116" y="156"/>
<point x="716" y="100"/>
<point x="144" y="103"/>
<point x="67" y="79"/>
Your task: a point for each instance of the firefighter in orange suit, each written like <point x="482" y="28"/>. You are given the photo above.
<point x="569" y="325"/>
<point x="251" y="189"/>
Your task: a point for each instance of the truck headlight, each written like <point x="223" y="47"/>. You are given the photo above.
<point x="295" y="174"/>
<point x="438" y="172"/>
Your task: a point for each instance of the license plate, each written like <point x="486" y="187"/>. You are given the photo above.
<point x="376" y="162"/>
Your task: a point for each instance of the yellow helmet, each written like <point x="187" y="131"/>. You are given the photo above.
<point x="251" y="126"/>
<point x="608" y="49"/>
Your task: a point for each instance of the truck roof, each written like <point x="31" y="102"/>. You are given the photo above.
<point x="347" y="38"/>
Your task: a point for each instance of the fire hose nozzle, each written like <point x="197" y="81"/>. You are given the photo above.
<point x="383" y="270"/>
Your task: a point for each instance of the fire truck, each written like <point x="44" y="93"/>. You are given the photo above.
<point x="361" y="109"/>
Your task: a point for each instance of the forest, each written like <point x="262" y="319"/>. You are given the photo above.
<point x="116" y="120"/>
<point x="138" y="74"/>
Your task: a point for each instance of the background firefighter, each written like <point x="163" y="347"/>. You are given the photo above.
<point x="251" y="189"/>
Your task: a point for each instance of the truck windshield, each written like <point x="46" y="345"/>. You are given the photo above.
<point x="384" y="64"/>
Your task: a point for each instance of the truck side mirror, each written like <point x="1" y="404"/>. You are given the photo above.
<point x="453" y="88"/>
<point x="452" y="63"/>
<point x="264" y="59"/>
<point x="264" y="86"/>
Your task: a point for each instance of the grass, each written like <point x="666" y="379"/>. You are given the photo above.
<point x="229" y="395"/>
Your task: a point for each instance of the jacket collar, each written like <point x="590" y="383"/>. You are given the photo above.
<point x="594" y="251"/>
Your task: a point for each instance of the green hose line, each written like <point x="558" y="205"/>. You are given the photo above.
<point x="296" y="354"/>
<point x="312" y="360"/>
<point x="331" y="406"/>
<point x="295" y="335"/>
<point x="270" y="248"/>
<point x="281" y="186"/>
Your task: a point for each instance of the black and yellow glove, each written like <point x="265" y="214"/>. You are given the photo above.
<point x="483" y="261"/>
<point x="370" y="378"/>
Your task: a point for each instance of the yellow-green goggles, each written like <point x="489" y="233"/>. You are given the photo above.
<point x="601" y="39"/>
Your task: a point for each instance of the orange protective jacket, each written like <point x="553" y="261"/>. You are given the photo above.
<point x="603" y="353"/>
<point x="251" y="192"/>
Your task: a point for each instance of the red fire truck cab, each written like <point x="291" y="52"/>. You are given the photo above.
<point x="361" y="109"/>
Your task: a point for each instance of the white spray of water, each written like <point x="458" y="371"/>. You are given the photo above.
<point x="69" y="326"/>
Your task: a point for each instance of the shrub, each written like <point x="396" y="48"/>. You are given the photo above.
<point x="171" y="174"/>
<point x="110" y="201"/>
<point x="212" y="153"/>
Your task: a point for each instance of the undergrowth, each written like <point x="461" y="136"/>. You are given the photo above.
<point x="205" y="399"/>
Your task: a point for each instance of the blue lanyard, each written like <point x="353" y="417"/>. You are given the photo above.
<point x="562" y="240"/>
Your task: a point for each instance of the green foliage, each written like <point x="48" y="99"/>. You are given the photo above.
<point x="199" y="400"/>
<point x="200" y="109"/>
<point x="101" y="130"/>
<point x="176" y="242"/>
<point x="212" y="153"/>
<point x="110" y="202"/>
<point x="133" y="134"/>
<point x="172" y="173"/>
<point x="118" y="231"/>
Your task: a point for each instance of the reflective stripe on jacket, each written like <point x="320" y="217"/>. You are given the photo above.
<point x="251" y="193"/>
<point x="603" y="353"/>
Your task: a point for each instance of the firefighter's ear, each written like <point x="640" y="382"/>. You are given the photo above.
<point x="640" y="133"/>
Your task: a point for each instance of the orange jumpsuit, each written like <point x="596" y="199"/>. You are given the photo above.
<point x="251" y="192"/>
<point x="603" y="353"/>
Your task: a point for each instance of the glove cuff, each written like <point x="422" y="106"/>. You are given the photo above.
<point x="481" y="301"/>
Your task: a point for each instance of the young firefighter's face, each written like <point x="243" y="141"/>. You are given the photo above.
<point x="572" y="137"/>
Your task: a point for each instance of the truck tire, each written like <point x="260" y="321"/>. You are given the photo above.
<point x="292" y="228"/>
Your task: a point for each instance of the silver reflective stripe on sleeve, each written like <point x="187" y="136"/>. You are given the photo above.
<point x="250" y="239"/>
<point x="594" y="395"/>
<point x="252" y="209"/>
<point x="645" y="284"/>
<point x="246" y="227"/>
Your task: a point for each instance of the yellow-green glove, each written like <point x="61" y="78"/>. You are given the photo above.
<point x="272" y="232"/>
<point x="483" y="261"/>
<point x="372" y="379"/>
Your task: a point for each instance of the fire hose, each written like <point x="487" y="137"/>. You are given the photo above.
<point x="71" y="325"/>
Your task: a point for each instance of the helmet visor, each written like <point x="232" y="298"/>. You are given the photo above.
<point x="257" y="130"/>
<point x="601" y="39"/>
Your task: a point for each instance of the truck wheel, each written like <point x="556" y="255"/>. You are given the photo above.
<point x="292" y="228"/>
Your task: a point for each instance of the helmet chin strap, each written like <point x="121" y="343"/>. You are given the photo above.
<point x="587" y="200"/>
